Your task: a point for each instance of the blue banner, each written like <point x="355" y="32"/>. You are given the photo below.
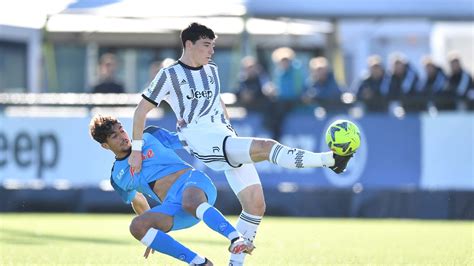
<point x="389" y="155"/>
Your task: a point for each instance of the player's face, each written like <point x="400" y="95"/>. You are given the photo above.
<point x="202" y="51"/>
<point x="118" y="142"/>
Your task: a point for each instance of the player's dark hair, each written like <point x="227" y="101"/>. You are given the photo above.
<point x="196" y="31"/>
<point x="101" y="127"/>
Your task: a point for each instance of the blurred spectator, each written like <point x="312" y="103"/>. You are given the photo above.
<point x="107" y="82"/>
<point x="370" y="88"/>
<point x="253" y="86"/>
<point x="460" y="84"/>
<point x="167" y="62"/>
<point x="404" y="84"/>
<point x="288" y="80"/>
<point x="321" y="86"/>
<point x="435" y="84"/>
<point x="155" y="67"/>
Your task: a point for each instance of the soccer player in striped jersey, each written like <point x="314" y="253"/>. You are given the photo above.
<point x="191" y="87"/>
<point x="185" y="195"/>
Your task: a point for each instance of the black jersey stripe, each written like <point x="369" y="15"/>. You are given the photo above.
<point x="177" y="89"/>
<point x="158" y="86"/>
<point x="216" y="92"/>
<point x="192" y="85"/>
<point x="207" y="87"/>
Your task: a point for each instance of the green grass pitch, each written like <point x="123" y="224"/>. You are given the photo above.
<point x="86" y="239"/>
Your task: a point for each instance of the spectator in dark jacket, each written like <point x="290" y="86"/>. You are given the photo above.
<point x="435" y="83"/>
<point x="254" y="85"/>
<point x="404" y="84"/>
<point x="369" y="90"/>
<point x="107" y="80"/>
<point x="460" y="84"/>
<point x="321" y="86"/>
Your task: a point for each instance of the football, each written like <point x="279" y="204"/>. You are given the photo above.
<point x="343" y="137"/>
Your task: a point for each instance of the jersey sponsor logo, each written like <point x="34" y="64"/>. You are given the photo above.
<point x="148" y="154"/>
<point x="216" y="149"/>
<point x="183" y="82"/>
<point x="120" y="174"/>
<point x="195" y="94"/>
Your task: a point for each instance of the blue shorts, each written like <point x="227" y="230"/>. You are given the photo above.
<point x="172" y="203"/>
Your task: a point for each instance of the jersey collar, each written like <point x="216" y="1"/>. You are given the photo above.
<point x="189" y="67"/>
<point x="125" y="157"/>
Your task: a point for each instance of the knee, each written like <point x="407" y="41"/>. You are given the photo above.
<point x="257" y="207"/>
<point x="192" y="198"/>
<point x="265" y="145"/>
<point x="253" y="201"/>
<point x="142" y="223"/>
<point x="138" y="227"/>
<point x="165" y="225"/>
<point x="190" y="206"/>
<point x="260" y="149"/>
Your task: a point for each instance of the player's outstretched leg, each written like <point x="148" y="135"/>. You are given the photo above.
<point x="252" y="150"/>
<point x="195" y="202"/>
<point x="160" y="241"/>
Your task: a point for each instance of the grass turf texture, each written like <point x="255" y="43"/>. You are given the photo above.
<point x="85" y="239"/>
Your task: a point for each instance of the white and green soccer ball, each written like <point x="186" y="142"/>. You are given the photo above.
<point x="343" y="137"/>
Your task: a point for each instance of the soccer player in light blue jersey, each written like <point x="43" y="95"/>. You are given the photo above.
<point x="185" y="195"/>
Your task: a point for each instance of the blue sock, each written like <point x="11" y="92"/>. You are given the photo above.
<point x="214" y="219"/>
<point x="165" y="244"/>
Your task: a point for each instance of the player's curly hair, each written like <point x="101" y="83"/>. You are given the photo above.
<point x="196" y="31"/>
<point x="101" y="127"/>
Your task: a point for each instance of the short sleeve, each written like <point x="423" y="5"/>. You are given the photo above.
<point x="168" y="139"/>
<point x="158" y="88"/>
<point x="126" y="196"/>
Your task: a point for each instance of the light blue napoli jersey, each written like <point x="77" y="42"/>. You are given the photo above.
<point x="159" y="160"/>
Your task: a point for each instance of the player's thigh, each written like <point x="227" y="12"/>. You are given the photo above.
<point x="181" y="218"/>
<point x="201" y="181"/>
<point x="192" y="198"/>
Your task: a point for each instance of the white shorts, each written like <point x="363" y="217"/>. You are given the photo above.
<point x="207" y="143"/>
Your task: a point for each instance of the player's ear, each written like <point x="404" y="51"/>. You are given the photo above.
<point x="105" y="146"/>
<point x="188" y="44"/>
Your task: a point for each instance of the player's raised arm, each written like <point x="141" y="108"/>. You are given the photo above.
<point x="139" y="117"/>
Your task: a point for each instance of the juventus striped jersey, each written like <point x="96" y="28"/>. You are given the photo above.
<point x="192" y="92"/>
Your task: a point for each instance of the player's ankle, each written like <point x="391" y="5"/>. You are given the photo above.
<point x="327" y="159"/>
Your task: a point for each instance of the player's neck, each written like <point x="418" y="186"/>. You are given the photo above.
<point x="187" y="60"/>
<point x="121" y="155"/>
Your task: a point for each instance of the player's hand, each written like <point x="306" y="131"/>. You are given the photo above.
<point x="147" y="252"/>
<point x="135" y="162"/>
